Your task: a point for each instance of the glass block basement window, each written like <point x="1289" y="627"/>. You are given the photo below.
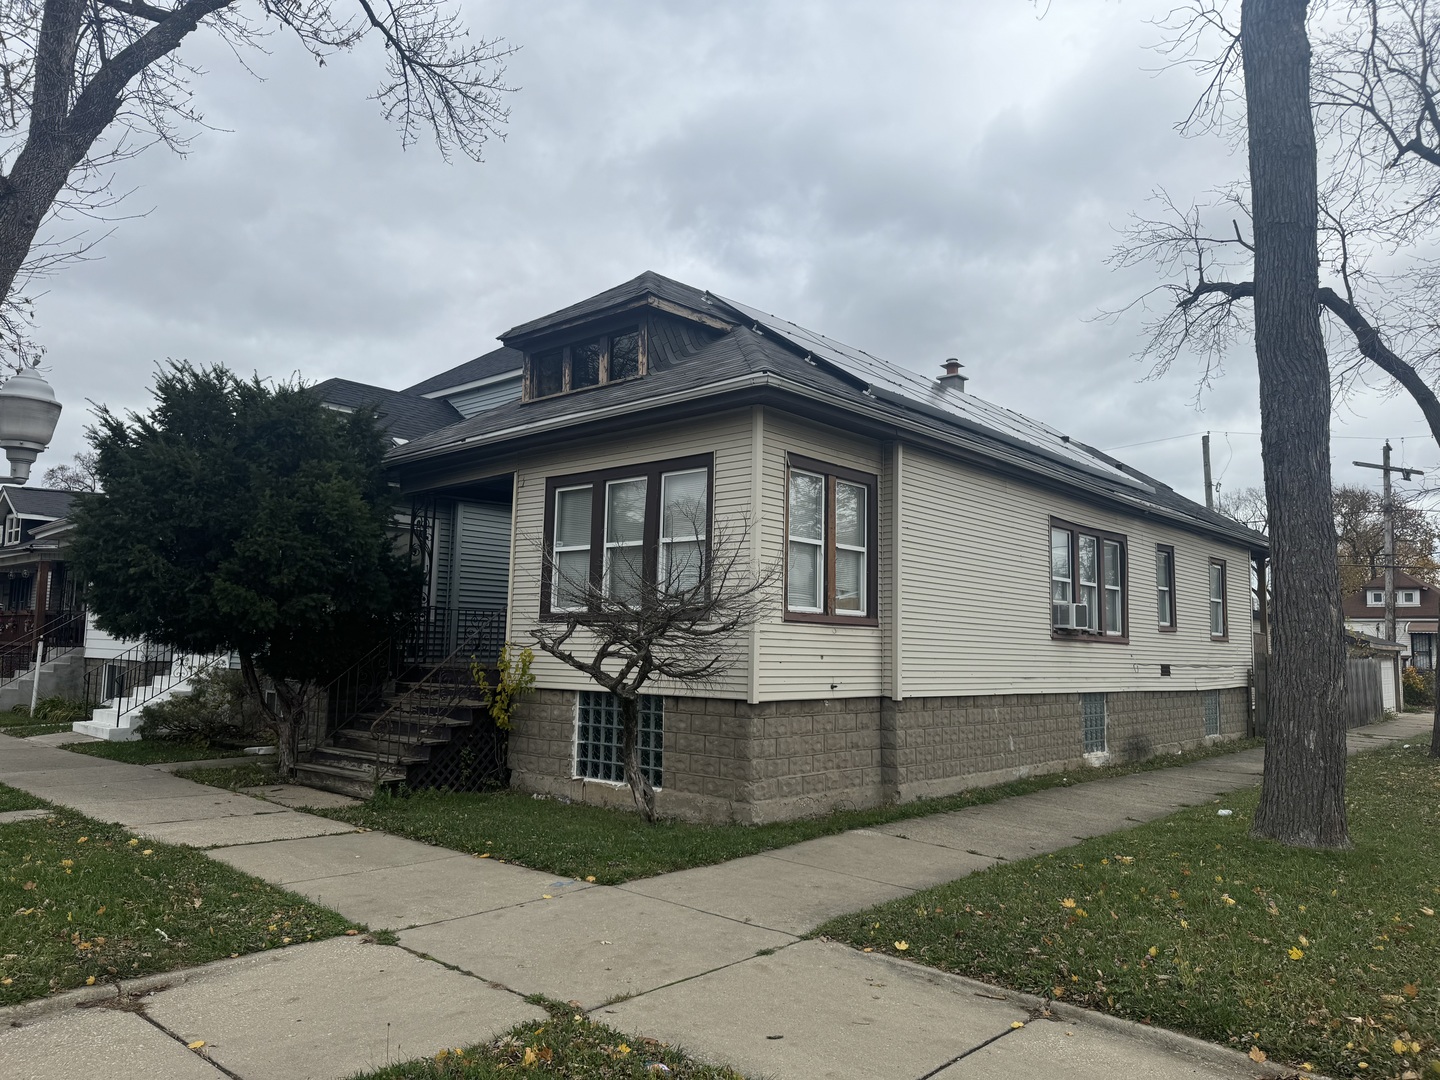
<point x="1092" y="714"/>
<point x="598" y="754"/>
<point x="1212" y="712"/>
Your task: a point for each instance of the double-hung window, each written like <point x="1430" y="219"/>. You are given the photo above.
<point x="1088" y="569"/>
<point x="12" y="529"/>
<point x="1218" y="613"/>
<point x="624" y="534"/>
<point x="1165" y="586"/>
<point x="830" y="526"/>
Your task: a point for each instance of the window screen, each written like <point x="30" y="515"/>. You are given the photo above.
<point x="571" y="575"/>
<point x="804" y="579"/>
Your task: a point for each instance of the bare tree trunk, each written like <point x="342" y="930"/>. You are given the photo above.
<point x="282" y="719"/>
<point x="1435" y="725"/>
<point x="640" y="789"/>
<point x="1302" y="799"/>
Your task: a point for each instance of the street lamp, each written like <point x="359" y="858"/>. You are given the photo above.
<point x="28" y="415"/>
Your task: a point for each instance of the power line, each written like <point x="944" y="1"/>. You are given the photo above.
<point x="1193" y="434"/>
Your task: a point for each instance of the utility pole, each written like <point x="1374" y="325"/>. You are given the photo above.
<point x="1387" y="508"/>
<point x="1209" y="487"/>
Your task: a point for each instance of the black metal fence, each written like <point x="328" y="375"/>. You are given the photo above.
<point x="42" y="637"/>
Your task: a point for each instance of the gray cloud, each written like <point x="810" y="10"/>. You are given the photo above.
<point x="922" y="179"/>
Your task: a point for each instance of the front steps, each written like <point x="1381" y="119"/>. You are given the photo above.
<point x="119" y="719"/>
<point x="63" y="676"/>
<point x="386" y="746"/>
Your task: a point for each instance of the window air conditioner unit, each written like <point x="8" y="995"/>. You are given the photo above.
<point x="1071" y="616"/>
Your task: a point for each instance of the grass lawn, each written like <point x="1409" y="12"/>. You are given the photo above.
<point x="565" y="1046"/>
<point x="82" y="902"/>
<point x="1326" y="959"/>
<point x="614" y="846"/>
<point x="20" y="724"/>
<point x="232" y="777"/>
<point x="11" y="799"/>
<point x="151" y="751"/>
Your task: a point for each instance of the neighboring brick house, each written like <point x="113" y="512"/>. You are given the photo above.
<point x="1417" y="616"/>
<point x="968" y="595"/>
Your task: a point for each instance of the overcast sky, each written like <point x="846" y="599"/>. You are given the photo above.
<point x="919" y="179"/>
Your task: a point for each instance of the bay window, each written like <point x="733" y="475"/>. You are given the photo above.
<point x="830" y="554"/>
<point x="618" y="533"/>
<point x="1087" y="581"/>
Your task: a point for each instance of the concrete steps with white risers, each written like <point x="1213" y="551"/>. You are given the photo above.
<point x="63" y="676"/>
<point x="120" y="719"/>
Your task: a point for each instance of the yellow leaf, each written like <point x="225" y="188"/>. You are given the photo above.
<point x="1184" y="925"/>
<point x="483" y="855"/>
<point x="623" y="1048"/>
<point x="1016" y="1024"/>
<point x="1304" y="941"/>
<point x="196" y="1045"/>
<point x="90" y="981"/>
<point x="591" y="878"/>
<point x="132" y="843"/>
<point x="901" y="946"/>
<point x="1296" y="954"/>
<point x="1257" y="1055"/>
<point x="1427" y="911"/>
<point x="1154" y="951"/>
<point x="546" y="896"/>
<point x="82" y="839"/>
<point x="529" y="1058"/>
<point x="100" y="910"/>
<point x="1399" y="1046"/>
<point x="1068" y="902"/>
<point x="148" y="851"/>
<point x="1229" y="900"/>
<point x="6" y="982"/>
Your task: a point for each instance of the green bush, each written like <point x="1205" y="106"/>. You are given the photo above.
<point x="53" y="710"/>
<point x="217" y="709"/>
<point x="1419" y="687"/>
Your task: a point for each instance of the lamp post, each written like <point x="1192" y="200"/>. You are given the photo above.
<point x="28" y="415"/>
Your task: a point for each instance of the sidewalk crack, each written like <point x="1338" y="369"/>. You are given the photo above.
<point x="231" y="1073"/>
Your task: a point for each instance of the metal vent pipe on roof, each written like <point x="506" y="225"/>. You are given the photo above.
<point x="952" y="376"/>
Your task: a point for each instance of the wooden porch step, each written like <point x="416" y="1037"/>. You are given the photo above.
<point x="342" y="781"/>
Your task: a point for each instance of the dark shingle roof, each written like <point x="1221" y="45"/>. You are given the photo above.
<point x="634" y="291"/>
<point x="39" y="502"/>
<point x="402" y="415"/>
<point x="496" y="362"/>
<point x="746" y="360"/>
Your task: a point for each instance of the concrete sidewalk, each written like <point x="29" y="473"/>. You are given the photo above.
<point x="710" y="958"/>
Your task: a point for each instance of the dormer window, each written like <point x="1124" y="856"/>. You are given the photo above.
<point x="12" y="529"/>
<point x="594" y="361"/>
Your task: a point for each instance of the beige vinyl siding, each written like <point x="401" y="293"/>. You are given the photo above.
<point x="976" y="594"/>
<point x="727" y="436"/>
<point x="805" y="660"/>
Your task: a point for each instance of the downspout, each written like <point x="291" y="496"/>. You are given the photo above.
<point x="757" y="539"/>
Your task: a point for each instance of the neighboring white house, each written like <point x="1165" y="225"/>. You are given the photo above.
<point x="1417" y="616"/>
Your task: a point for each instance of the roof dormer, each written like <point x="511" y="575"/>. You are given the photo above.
<point x="615" y="336"/>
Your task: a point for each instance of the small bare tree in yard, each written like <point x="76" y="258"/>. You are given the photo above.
<point x="672" y="614"/>
<point x="87" y="83"/>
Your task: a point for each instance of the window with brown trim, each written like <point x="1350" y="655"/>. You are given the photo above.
<point x="1088" y="582"/>
<point x="1219" y="607"/>
<point x="1165" y="586"/>
<point x="831" y="523"/>
<point x="593" y="361"/>
<point x="622" y="530"/>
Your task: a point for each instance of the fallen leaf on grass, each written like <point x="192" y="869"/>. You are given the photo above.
<point x="1410" y="990"/>
<point x="901" y="946"/>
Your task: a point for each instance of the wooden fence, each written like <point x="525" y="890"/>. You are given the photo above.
<point x="1364" y="695"/>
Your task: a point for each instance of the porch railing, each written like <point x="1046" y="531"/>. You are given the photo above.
<point x="434" y="637"/>
<point x="44" y="637"/>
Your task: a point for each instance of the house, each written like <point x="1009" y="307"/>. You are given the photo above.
<point x="1417" y="614"/>
<point x="40" y="609"/>
<point x="968" y="595"/>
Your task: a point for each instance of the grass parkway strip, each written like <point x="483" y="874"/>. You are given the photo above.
<point x="1327" y="960"/>
<point x="83" y="902"/>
